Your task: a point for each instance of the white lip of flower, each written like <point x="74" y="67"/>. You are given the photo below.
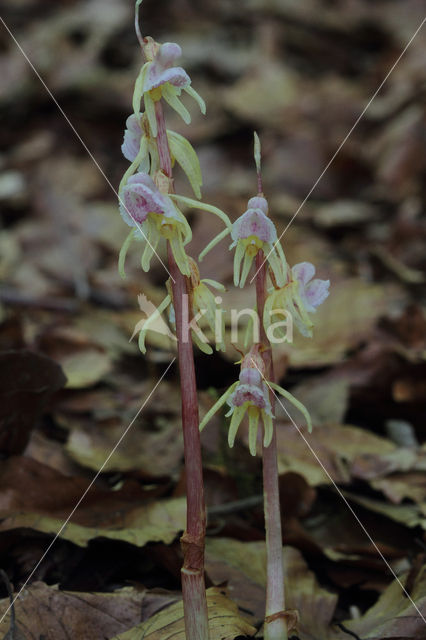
<point x="250" y="394"/>
<point x="160" y="78"/>
<point x="252" y="232"/>
<point x="300" y="296"/>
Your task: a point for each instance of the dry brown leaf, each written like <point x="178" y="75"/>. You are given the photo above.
<point x="45" y="612"/>
<point x="225" y="622"/>
<point x="347" y="318"/>
<point x="336" y="446"/>
<point x="394" y="616"/>
<point x="160" y="521"/>
<point x="243" y="565"/>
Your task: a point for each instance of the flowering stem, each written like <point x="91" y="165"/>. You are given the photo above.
<point x="275" y="619"/>
<point x="192" y="541"/>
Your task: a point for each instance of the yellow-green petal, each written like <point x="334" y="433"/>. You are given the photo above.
<point x="194" y="94"/>
<point x="295" y="402"/>
<point x="123" y="253"/>
<point x="171" y="97"/>
<point x="186" y="157"/>
<point x="138" y="90"/>
<point x="217" y="405"/>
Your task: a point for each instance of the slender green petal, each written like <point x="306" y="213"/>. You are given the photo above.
<point x="143" y="151"/>
<point x="248" y="333"/>
<point x="268" y="429"/>
<point x="157" y="313"/>
<point x="218" y="404"/>
<point x="238" y="256"/>
<point x="213" y="243"/>
<point x="179" y="254"/>
<point x="276" y="267"/>
<point x="185" y="155"/>
<point x="204" y="299"/>
<point x="123" y="253"/>
<point x="246" y="268"/>
<point x="203" y="346"/>
<point x="150" y="112"/>
<point x="190" y="91"/>
<point x="280" y="251"/>
<point x="171" y="97"/>
<point x="294" y="402"/>
<point x="268" y="310"/>
<point x="152" y="239"/>
<point x="253" y="426"/>
<point x="138" y="90"/>
<point x="257" y="152"/>
<point x="214" y="284"/>
<point x="194" y="204"/>
<point x="236" y="419"/>
<point x="187" y="231"/>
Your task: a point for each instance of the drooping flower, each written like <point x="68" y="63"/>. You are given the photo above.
<point x="201" y="303"/>
<point x="252" y="232"/>
<point x="300" y="296"/>
<point x="142" y="205"/>
<point x="160" y="78"/>
<point x="251" y="395"/>
<point x="141" y="150"/>
<point x="203" y="310"/>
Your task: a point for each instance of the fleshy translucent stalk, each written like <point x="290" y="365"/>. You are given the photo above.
<point x="275" y="619"/>
<point x="192" y="541"/>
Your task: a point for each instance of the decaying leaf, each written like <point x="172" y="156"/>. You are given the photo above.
<point x="159" y="521"/>
<point x="243" y="566"/>
<point x="394" y="615"/>
<point x="46" y="612"/>
<point x="225" y="622"/>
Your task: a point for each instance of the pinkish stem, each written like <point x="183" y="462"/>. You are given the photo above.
<point x="192" y="541"/>
<point x="275" y="619"/>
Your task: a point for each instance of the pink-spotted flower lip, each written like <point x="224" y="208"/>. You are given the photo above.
<point x="132" y="138"/>
<point x="254" y="222"/>
<point x="253" y="394"/>
<point x="140" y="197"/>
<point x="312" y="292"/>
<point x="162" y="69"/>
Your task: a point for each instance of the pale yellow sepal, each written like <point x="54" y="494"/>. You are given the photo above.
<point x="294" y="401"/>
<point x="138" y="90"/>
<point x="170" y="95"/>
<point x="185" y="156"/>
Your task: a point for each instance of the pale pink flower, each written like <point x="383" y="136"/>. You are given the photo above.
<point x="162" y="69"/>
<point x="300" y="297"/>
<point x="250" y="395"/>
<point x="132" y="138"/>
<point x="154" y="215"/>
<point x="312" y="292"/>
<point x="251" y="233"/>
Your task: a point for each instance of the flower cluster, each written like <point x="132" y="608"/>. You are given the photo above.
<point x="147" y="201"/>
